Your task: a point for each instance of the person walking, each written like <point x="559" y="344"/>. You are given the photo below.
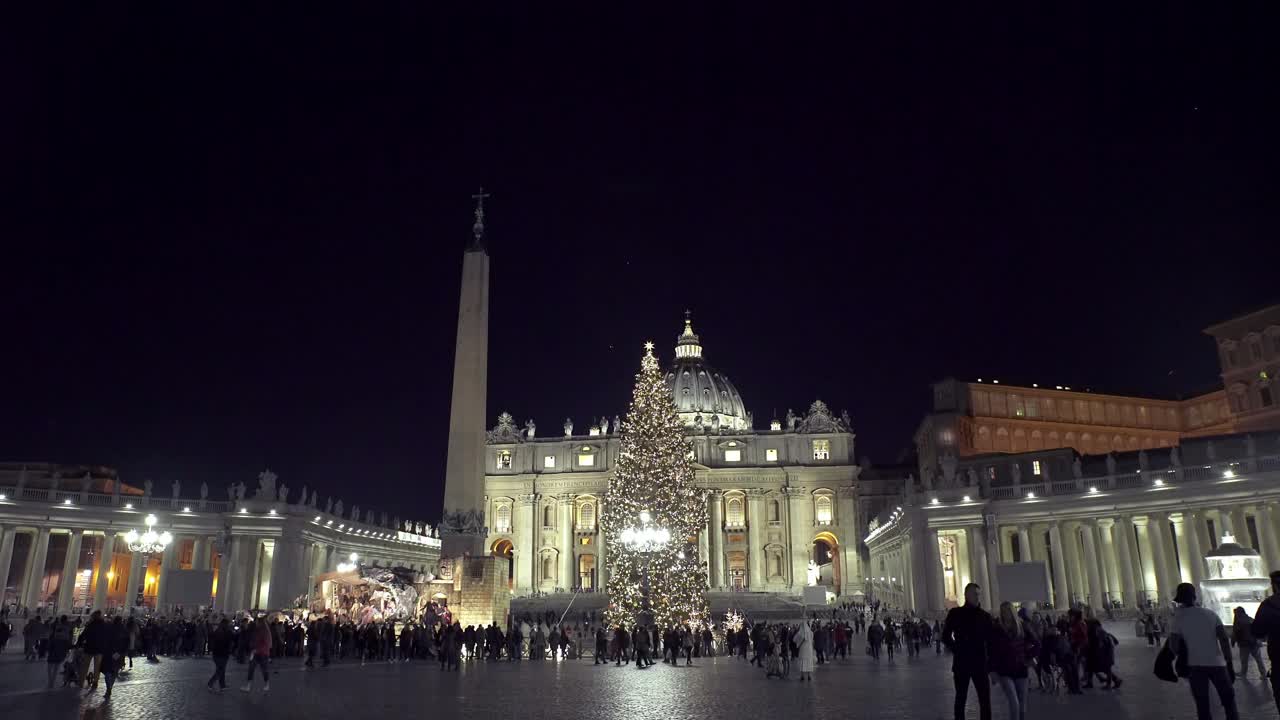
<point x="1203" y="648"/>
<point x="1247" y="644"/>
<point x="260" y="657"/>
<point x="94" y="640"/>
<point x="1266" y="624"/>
<point x="59" y="646"/>
<point x="220" y="643"/>
<point x="1013" y="647"/>
<point x="967" y="633"/>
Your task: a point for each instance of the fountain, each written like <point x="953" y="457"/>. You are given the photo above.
<point x="1235" y="579"/>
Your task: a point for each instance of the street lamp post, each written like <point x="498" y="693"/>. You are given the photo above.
<point x="148" y="543"/>
<point x="646" y="540"/>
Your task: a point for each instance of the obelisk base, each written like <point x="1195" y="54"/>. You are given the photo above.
<point x="480" y="591"/>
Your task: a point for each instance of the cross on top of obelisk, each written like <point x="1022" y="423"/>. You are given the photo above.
<point x="477" y="228"/>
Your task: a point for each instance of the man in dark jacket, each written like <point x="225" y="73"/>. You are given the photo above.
<point x="967" y="634"/>
<point x="220" y="644"/>
<point x="1267" y="624"/>
<point x="95" y="640"/>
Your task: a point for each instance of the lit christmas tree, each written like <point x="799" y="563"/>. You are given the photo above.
<point x="652" y="491"/>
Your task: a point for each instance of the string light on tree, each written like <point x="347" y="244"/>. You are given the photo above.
<point x="654" y="512"/>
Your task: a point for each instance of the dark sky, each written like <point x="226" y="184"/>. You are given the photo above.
<point x="239" y="231"/>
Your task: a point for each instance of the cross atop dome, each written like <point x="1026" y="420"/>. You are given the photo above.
<point x="688" y="344"/>
<point x="477" y="228"/>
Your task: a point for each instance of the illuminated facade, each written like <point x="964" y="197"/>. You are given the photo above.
<point x="63" y="547"/>
<point x="777" y="497"/>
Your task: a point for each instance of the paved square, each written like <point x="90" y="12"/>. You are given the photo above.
<point x="713" y="688"/>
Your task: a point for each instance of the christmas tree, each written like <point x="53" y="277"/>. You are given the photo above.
<point x="653" y="514"/>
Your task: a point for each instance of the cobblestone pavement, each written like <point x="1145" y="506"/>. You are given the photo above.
<point x="713" y="688"/>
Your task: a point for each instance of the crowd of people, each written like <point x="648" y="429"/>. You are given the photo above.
<point x="1066" y="652"/>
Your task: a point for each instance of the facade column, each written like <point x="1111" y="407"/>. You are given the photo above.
<point x="287" y="573"/>
<point x="221" y="599"/>
<point x="1156" y="531"/>
<point x="798" y="526"/>
<point x="8" y="534"/>
<point x="755" y="539"/>
<point x="602" y="550"/>
<point x="850" y="527"/>
<point x="1076" y="583"/>
<point x="35" y="569"/>
<point x="200" y="553"/>
<point x="525" y="553"/>
<point x="990" y="534"/>
<point x="1006" y="544"/>
<point x="715" y="540"/>
<point x="1061" y="596"/>
<point x="1145" y="560"/>
<point x="568" y="573"/>
<point x="978" y="562"/>
<point x="1182" y="562"/>
<point x="1266" y="536"/>
<point x="1195" y="553"/>
<point x="1024" y="544"/>
<point x="1096" y="598"/>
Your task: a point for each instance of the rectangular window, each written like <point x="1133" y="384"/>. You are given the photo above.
<point x="549" y="461"/>
<point x="771" y="455"/>
<point x="1015" y="404"/>
<point x="1035" y="467"/>
<point x="1033" y="407"/>
<point x="586" y="459"/>
<point x="504" y="459"/>
<point x="821" y="449"/>
<point x="733" y="455"/>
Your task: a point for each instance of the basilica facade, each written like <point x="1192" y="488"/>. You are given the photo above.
<point x="778" y="498"/>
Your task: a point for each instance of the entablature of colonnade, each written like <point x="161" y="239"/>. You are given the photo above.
<point x="530" y="484"/>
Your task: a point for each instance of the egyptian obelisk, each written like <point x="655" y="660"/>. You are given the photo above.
<point x="462" y="530"/>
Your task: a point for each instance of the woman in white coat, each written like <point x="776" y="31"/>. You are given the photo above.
<point x="807" y="659"/>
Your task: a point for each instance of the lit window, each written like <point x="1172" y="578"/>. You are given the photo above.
<point x="771" y="454"/>
<point x="822" y="509"/>
<point x="1035" y="467"/>
<point x="821" y="449"/>
<point x="549" y="461"/>
<point x="503" y="518"/>
<point x="734" y="455"/>
<point x="733" y="512"/>
<point x="504" y="459"/>
<point x="586" y="459"/>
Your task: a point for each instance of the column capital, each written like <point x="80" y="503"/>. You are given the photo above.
<point x="529" y="499"/>
<point x="794" y="492"/>
<point x="1105" y="522"/>
<point x="1139" y="521"/>
<point x="568" y="498"/>
<point x="757" y="492"/>
<point x="714" y="493"/>
<point x="847" y="491"/>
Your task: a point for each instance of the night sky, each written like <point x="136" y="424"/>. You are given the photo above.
<point x="240" y="231"/>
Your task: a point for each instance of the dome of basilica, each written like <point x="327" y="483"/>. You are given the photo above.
<point x="703" y="395"/>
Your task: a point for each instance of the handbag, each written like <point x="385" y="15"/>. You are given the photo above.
<point x="1164" y="665"/>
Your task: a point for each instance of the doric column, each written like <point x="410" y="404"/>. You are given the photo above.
<point x="937" y="600"/>
<point x="799" y="524"/>
<point x="1144" y="560"/>
<point x="978" y="562"/>
<point x="222" y="600"/>
<point x="133" y="584"/>
<point x="70" y="563"/>
<point x="1181" y="561"/>
<point x="1061" y="593"/>
<point x="287" y="573"/>
<point x="1122" y="537"/>
<point x="1240" y="526"/>
<point x="1195" y="553"/>
<point x="200" y="553"/>
<point x="1006" y="544"/>
<point x="1077" y="586"/>
<point x="568" y="572"/>
<point x="35" y="569"/>
<point x="715" y="540"/>
<point x="1156" y="531"/>
<point x="101" y="583"/>
<point x="850" y="526"/>
<point x="1267" y="535"/>
<point x="168" y="561"/>
<point x="993" y="560"/>
<point x="1024" y="544"/>
<point x="525" y="553"/>
<point x="1096" y="595"/>
<point x="1107" y="549"/>
<point x="755" y="538"/>
<point x="8" y="534"/>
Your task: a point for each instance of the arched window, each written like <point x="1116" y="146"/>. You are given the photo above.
<point x="502" y="518"/>
<point x="775" y="511"/>
<point x="548" y="516"/>
<point x="587" y="516"/>
<point x="822" y="509"/>
<point x="733" y="516"/>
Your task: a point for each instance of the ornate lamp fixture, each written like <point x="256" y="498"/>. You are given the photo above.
<point x="149" y="542"/>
